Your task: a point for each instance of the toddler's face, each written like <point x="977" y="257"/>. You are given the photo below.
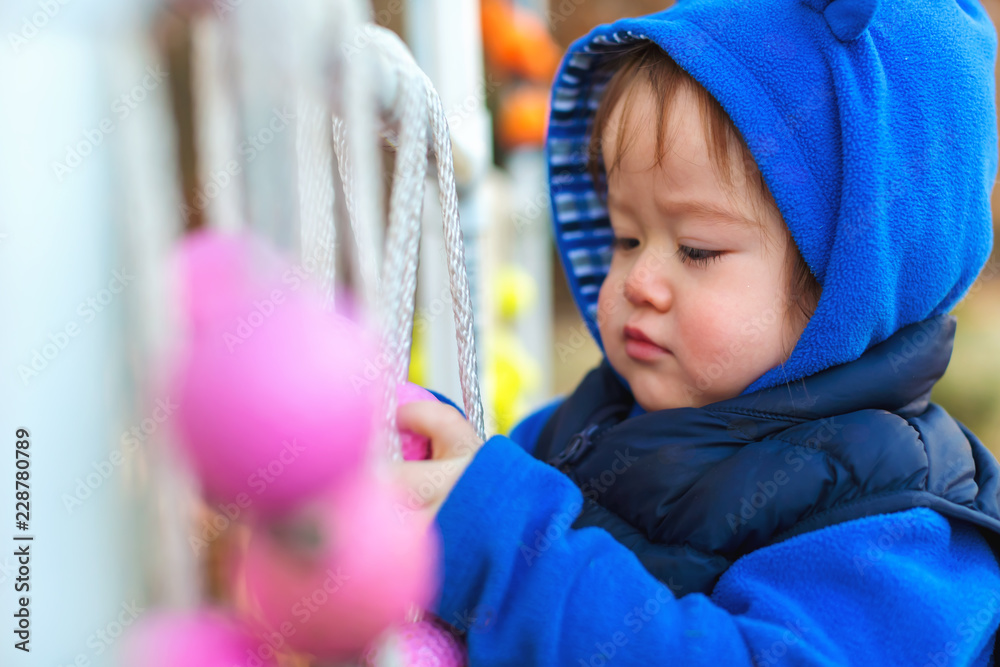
<point x="705" y="285"/>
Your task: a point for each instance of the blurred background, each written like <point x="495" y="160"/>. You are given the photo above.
<point x="105" y="102"/>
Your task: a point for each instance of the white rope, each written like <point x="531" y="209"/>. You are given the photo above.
<point x="359" y="164"/>
<point x="402" y="242"/>
<point x="364" y="271"/>
<point x="415" y="106"/>
<point x="455" y="250"/>
<point x="316" y="195"/>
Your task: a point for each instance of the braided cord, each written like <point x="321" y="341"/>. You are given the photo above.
<point x="416" y="106"/>
<point x="461" y="296"/>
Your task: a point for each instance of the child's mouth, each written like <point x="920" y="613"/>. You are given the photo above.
<point x="643" y="351"/>
<point x="638" y="346"/>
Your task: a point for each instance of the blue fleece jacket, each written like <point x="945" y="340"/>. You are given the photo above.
<point x="909" y="588"/>
<point x="873" y="124"/>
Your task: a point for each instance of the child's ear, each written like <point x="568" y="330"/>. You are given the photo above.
<point x="849" y="18"/>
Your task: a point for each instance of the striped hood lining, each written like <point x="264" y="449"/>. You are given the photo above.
<point x="582" y="226"/>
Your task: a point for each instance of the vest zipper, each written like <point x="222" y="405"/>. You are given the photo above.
<point x="582" y="441"/>
<point x="575" y="447"/>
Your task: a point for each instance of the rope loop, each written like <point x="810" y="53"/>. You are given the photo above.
<point x="415" y="107"/>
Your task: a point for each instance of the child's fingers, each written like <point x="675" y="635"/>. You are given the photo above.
<point x="449" y="432"/>
<point x="419" y="477"/>
<point x="424" y="417"/>
<point x="428" y="483"/>
<point x="421" y="496"/>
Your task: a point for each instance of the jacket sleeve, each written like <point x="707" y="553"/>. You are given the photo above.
<point x="908" y="588"/>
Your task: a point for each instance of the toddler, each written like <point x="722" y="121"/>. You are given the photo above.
<point x="765" y="211"/>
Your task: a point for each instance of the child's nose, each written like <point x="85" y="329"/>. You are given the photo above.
<point x="647" y="284"/>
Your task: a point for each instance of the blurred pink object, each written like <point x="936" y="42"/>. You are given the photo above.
<point x="415" y="447"/>
<point x="195" y="639"/>
<point x="218" y="276"/>
<point x="343" y="571"/>
<point x="271" y="409"/>
<point x="425" y="643"/>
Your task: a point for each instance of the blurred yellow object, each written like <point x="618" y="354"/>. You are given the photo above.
<point x="516" y="291"/>
<point x="512" y="373"/>
<point x="418" y="359"/>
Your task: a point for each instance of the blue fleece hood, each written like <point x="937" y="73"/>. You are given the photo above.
<point x="873" y="124"/>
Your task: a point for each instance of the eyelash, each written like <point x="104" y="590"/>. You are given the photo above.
<point x="697" y="255"/>
<point x="684" y="253"/>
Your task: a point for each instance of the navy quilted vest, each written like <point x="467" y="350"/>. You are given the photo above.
<point x="690" y="490"/>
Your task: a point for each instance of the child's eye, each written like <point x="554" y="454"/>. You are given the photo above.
<point x="697" y="255"/>
<point x="624" y="243"/>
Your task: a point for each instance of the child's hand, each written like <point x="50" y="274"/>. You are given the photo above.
<point x="453" y="445"/>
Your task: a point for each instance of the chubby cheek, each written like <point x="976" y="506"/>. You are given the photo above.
<point x="730" y="343"/>
<point x="705" y="336"/>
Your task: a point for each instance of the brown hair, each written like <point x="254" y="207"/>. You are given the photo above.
<point x="649" y="62"/>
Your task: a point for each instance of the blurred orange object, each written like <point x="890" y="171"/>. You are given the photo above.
<point x="522" y="117"/>
<point x="518" y="41"/>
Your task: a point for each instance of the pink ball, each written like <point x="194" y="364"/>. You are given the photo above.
<point x="273" y="402"/>
<point x="426" y="642"/>
<point x="218" y="276"/>
<point x="373" y="560"/>
<point x="415" y="447"/>
<point x="194" y="639"/>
